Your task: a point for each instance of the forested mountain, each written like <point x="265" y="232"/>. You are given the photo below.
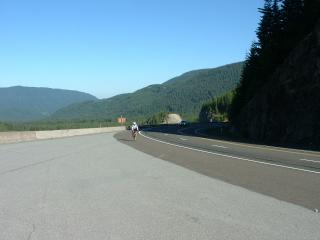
<point x="217" y="108"/>
<point x="30" y="103"/>
<point x="184" y="94"/>
<point x="278" y="100"/>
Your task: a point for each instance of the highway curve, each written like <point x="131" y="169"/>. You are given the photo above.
<point x="94" y="187"/>
<point x="286" y="174"/>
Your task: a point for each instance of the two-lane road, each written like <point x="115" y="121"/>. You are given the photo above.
<point x="191" y="137"/>
<point x="94" y="187"/>
<point x="286" y="174"/>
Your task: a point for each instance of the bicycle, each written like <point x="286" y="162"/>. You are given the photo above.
<point x="134" y="134"/>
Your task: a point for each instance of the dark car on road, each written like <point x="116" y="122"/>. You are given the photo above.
<point x="183" y="123"/>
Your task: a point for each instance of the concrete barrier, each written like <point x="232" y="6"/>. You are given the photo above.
<point x="13" y="137"/>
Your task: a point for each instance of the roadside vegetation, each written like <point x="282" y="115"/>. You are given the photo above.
<point x="56" y="125"/>
<point x="218" y="109"/>
<point x="157" y="118"/>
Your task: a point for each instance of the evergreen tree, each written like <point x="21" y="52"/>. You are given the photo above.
<point x="217" y="109"/>
<point x="264" y="28"/>
<point x="293" y="23"/>
<point x="270" y="55"/>
<point x="249" y="81"/>
<point x="283" y="24"/>
<point x="292" y="13"/>
<point x="311" y="13"/>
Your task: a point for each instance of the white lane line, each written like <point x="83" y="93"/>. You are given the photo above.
<point x="218" y="146"/>
<point x="183" y="139"/>
<point x="308" y="160"/>
<point x="229" y="156"/>
<point x="302" y="152"/>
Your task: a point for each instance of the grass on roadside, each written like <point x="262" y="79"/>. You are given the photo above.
<point x="56" y="125"/>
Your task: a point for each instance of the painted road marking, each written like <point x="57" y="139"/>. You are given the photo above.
<point x="229" y="156"/>
<point x="218" y="146"/>
<point x="183" y="139"/>
<point x="308" y="160"/>
<point x="257" y="147"/>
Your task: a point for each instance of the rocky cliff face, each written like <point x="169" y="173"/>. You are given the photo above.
<point x="287" y="109"/>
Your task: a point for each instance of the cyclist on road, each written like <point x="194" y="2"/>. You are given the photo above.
<point x="134" y="130"/>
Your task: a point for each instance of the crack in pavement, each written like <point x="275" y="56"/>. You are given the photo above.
<point x="46" y="185"/>
<point x="32" y="232"/>
<point x="44" y="161"/>
<point x="32" y="164"/>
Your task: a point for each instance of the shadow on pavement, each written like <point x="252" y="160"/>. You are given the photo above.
<point x="216" y="131"/>
<point x="125" y="140"/>
<point x="219" y="131"/>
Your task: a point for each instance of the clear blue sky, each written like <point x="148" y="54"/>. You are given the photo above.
<point x="107" y="47"/>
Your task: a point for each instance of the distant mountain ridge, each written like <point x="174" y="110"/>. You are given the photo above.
<point x="20" y="103"/>
<point x="184" y="94"/>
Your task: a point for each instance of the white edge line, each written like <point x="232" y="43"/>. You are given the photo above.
<point x="229" y="156"/>
<point x="219" y="146"/>
<point x="307" y="160"/>
<point x="277" y="149"/>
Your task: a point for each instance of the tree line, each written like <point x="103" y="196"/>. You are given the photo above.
<point x="158" y="118"/>
<point x="217" y="109"/>
<point x="283" y="24"/>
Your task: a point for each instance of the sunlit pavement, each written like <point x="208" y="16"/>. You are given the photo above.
<point x="94" y="187"/>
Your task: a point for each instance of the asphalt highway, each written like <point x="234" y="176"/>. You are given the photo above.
<point x="94" y="187"/>
<point x="287" y="174"/>
<point x="193" y="137"/>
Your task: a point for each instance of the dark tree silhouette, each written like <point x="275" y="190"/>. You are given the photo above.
<point x="283" y="24"/>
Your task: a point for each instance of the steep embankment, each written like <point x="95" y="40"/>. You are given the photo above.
<point x="287" y="109"/>
<point x="31" y="103"/>
<point x="184" y="94"/>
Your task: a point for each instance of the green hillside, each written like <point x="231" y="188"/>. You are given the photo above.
<point x="217" y="108"/>
<point x="30" y="103"/>
<point x="184" y="94"/>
